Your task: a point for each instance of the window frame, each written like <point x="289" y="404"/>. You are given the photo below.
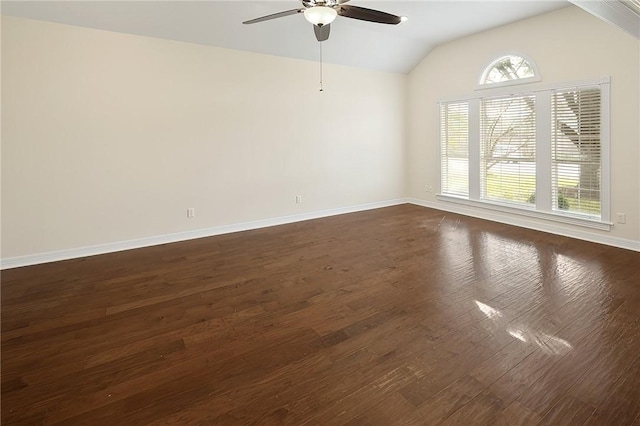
<point x="543" y="207"/>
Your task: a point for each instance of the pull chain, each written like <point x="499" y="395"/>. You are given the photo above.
<point x="321" y="66"/>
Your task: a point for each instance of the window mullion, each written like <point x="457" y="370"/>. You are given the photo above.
<point x="474" y="149"/>
<point x="543" y="152"/>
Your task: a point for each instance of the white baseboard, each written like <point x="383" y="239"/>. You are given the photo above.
<point x="54" y="256"/>
<point x="524" y="223"/>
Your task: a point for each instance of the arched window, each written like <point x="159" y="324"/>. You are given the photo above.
<point x="508" y="70"/>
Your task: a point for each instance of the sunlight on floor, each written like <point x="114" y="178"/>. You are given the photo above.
<point x="547" y="343"/>
<point x="489" y="311"/>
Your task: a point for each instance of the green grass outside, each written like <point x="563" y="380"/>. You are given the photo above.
<point x="498" y="189"/>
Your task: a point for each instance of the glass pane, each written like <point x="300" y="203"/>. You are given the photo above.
<point x="508" y="150"/>
<point x="454" y="137"/>
<point x="576" y="151"/>
<point x="508" y="68"/>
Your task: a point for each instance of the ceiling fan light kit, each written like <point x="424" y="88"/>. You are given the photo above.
<point x="320" y="15"/>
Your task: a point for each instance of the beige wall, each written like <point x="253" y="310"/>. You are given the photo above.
<point x="109" y="137"/>
<point x="567" y="45"/>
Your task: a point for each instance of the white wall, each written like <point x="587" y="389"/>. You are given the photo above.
<point x="109" y="137"/>
<point x="567" y="45"/>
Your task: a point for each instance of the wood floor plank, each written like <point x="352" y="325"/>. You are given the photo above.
<point x="557" y="380"/>
<point x="568" y="411"/>
<point x="402" y="315"/>
<point x="483" y="409"/>
<point x="517" y="414"/>
<point x="386" y="411"/>
<point x="622" y="405"/>
<point x="446" y="402"/>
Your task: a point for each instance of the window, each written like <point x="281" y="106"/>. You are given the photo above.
<point x="541" y="153"/>
<point x="454" y="128"/>
<point x="507" y="149"/>
<point x="509" y="69"/>
<point x="576" y="150"/>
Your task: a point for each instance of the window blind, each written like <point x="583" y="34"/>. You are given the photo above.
<point x="576" y="150"/>
<point x="507" y="149"/>
<point x="454" y="137"/>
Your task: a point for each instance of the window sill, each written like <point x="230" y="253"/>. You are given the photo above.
<point x="552" y="216"/>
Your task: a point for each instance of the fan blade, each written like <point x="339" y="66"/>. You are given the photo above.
<point x="322" y="33"/>
<point x="342" y="1"/>
<point x="370" y="15"/>
<point x="274" y="16"/>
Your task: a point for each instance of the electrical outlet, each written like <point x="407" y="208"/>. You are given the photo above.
<point x="191" y="212"/>
<point x="621" y="218"/>
<point x="298" y="199"/>
<point x="429" y="188"/>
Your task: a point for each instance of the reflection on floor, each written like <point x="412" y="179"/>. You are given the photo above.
<point x="549" y="344"/>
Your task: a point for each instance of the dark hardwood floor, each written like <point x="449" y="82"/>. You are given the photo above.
<point x="402" y="315"/>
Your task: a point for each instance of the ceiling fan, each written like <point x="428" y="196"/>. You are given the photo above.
<point x="321" y="13"/>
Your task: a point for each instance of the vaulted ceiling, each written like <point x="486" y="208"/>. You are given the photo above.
<point x="352" y="42"/>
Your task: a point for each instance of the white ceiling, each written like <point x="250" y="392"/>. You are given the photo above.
<point x="352" y="43"/>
